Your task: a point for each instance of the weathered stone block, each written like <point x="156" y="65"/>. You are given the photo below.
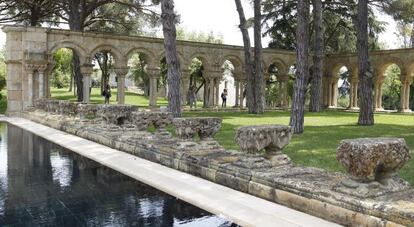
<point x="370" y="159"/>
<point x="205" y="127"/>
<point x="272" y="138"/>
<point x="115" y="114"/>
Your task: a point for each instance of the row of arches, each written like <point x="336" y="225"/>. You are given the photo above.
<point x="209" y="81"/>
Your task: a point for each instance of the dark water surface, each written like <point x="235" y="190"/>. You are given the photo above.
<point x="42" y="184"/>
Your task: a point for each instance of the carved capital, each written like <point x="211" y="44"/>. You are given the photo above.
<point x="121" y="71"/>
<point x="87" y="69"/>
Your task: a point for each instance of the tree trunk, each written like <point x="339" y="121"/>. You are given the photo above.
<point x="316" y="88"/>
<point x="366" y="113"/>
<point x="250" y="101"/>
<point x="302" y="68"/>
<point x="71" y="82"/>
<point x="258" y="59"/>
<point x="75" y="24"/>
<point x="168" y="18"/>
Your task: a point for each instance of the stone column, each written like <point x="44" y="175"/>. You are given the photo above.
<point x="185" y="85"/>
<point x="237" y="83"/>
<point x="405" y="94"/>
<point x="241" y="93"/>
<point x="284" y="96"/>
<point x="378" y="95"/>
<point x="30" y="68"/>
<point x="86" y="71"/>
<point x="211" y="93"/>
<point x="217" y="92"/>
<point x="41" y="71"/>
<point x="153" y="78"/>
<point x="121" y="73"/>
<point x="353" y="94"/>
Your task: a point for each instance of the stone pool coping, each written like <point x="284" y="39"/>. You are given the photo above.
<point x="241" y="208"/>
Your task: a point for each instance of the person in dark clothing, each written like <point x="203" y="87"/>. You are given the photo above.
<point x="107" y="93"/>
<point x="224" y="98"/>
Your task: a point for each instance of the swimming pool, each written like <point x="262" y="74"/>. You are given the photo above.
<point x="42" y="184"/>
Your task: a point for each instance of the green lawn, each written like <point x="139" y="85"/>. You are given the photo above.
<point x="323" y="132"/>
<point x="96" y="97"/>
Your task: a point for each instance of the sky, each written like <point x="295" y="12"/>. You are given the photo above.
<point x="220" y="16"/>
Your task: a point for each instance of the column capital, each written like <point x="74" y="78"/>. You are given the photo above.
<point x="87" y="69"/>
<point x="406" y="79"/>
<point x="283" y="77"/>
<point x="121" y="71"/>
<point x="153" y="72"/>
<point x="32" y="66"/>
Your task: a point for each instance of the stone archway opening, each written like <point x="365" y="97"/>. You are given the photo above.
<point x="197" y="83"/>
<point x="227" y="84"/>
<point x="290" y="84"/>
<point x="60" y="81"/>
<point x="344" y="88"/>
<point x="138" y="79"/>
<point x="389" y="89"/>
<point x="273" y="89"/>
<point x="104" y="74"/>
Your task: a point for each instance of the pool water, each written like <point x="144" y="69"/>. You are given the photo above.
<point x="42" y="184"/>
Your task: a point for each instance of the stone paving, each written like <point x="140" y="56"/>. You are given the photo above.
<point x="269" y="175"/>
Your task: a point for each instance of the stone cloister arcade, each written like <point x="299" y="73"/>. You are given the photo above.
<point x="29" y="59"/>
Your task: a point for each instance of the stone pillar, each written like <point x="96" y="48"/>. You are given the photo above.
<point x="378" y="95"/>
<point x="185" y="85"/>
<point x="217" y="92"/>
<point x="284" y="96"/>
<point x="237" y="83"/>
<point x="353" y="105"/>
<point x="153" y="78"/>
<point x="121" y="73"/>
<point x="86" y="71"/>
<point x="30" y="69"/>
<point x="405" y="94"/>
<point x="241" y="93"/>
<point x="211" y="93"/>
<point x="41" y="72"/>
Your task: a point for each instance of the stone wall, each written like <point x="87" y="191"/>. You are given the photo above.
<point x="311" y="190"/>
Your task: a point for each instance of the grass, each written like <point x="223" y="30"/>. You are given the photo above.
<point x="323" y="131"/>
<point x="96" y="97"/>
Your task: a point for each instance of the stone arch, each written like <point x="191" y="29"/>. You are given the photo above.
<point x="118" y="56"/>
<point x="385" y="62"/>
<point x="202" y="56"/>
<point x="152" y="59"/>
<point x="279" y="63"/>
<point x="160" y="56"/>
<point x="235" y="60"/>
<point x="78" y="49"/>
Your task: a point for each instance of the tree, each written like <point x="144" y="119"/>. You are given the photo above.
<point x="366" y="113"/>
<point x="259" y="101"/>
<point x="28" y="12"/>
<point x="402" y="11"/>
<point x="318" y="57"/>
<point x="247" y="56"/>
<point x="168" y="18"/>
<point x="302" y="68"/>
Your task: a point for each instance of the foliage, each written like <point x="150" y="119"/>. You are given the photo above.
<point x="62" y="70"/>
<point x="138" y="73"/>
<point x="200" y="36"/>
<point x="29" y="12"/>
<point x="338" y="15"/>
<point x="391" y="88"/>
<point x="404" y="34"/>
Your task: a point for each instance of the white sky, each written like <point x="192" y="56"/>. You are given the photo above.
<point x="220" y="16"/>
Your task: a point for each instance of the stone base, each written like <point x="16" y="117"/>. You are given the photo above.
<point x="379" y="109"/>
<point x="406" y="111"/>
<point x="373" y="189"/>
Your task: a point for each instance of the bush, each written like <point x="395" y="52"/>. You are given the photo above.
<point x="343" y="101"/>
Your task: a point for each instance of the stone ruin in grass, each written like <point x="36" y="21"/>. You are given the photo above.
<point x="371" y="185"/>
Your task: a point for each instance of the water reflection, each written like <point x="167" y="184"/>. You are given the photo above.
<point x="43" y="184"/>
